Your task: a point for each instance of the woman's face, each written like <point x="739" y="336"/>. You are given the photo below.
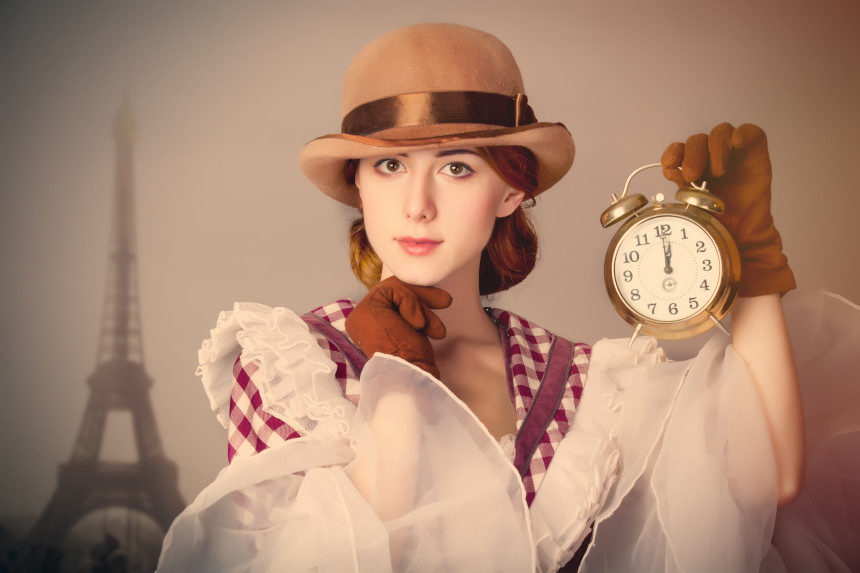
<point x="430" y="213"/>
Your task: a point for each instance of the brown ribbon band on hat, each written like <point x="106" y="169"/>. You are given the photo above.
<point x="429" y="108"/>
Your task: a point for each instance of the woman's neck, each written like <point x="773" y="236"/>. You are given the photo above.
<point x="467" y="325"/>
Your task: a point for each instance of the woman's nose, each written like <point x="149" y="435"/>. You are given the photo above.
<point x="418" y="204"/>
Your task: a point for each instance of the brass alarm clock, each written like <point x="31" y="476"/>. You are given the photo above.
<point x="672" y="270"/>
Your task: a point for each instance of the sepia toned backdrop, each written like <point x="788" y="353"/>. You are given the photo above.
<point x="225" y="96"/>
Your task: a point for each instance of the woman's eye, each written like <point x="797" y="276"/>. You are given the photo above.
<point x="457" y="169"/>
<point x="389" y="165"/>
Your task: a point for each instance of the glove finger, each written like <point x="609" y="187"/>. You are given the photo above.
<point x="695" y="157"/>
<point x="435" y="328"/>
<point x="747" y="135"/>
<point x="431" y="296"/>
<point x="671" y="161"/>
<point x="408" y="307"/>
<point x="720" y="147"/>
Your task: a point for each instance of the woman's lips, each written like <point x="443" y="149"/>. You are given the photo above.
<point x="417" y="246"/>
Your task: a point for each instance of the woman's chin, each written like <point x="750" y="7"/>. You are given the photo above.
<point x="418" y="278"/>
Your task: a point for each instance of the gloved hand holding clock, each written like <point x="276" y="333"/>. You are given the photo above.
<point x="736" y="165"/>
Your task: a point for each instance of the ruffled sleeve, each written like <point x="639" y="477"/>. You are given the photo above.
<point x="696" y="486"/>
<point x="586" y="464"/>
<point x="673" y="463"/>
<point x="294" y="376"/>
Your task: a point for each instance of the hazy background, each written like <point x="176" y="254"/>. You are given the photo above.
<point x="226" y="94"/>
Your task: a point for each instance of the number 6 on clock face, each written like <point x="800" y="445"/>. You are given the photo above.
<point x="670" y="267"/>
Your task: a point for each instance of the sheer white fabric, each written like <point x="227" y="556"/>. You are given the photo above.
<point x="295" y="377"/>
<point x="439" y="494"/>
<point x="821" y="529"/>
<point x="668" y="462"/>
<point x="698" y="489"/>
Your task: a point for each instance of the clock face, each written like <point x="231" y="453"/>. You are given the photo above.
<point x="667" y="268"/>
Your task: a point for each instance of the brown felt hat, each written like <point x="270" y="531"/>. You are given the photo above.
<point x="433" y="86"/>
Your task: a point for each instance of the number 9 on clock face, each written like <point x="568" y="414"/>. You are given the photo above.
<point x="669" y="269"/>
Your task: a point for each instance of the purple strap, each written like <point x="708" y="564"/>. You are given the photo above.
<point x="355" y="356"/>
<point x="545" y="403"/>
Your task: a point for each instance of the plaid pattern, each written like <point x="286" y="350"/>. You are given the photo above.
<point x="528" y="356"/>
<point x="335" y="314"/>
<point x="252" y="430"/>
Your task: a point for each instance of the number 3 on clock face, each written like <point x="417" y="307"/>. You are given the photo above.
<point x="672" y="270"/>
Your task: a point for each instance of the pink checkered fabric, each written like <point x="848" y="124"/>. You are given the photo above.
<point x="252" y="430"/>
<point x="528" y="354"/>
<point x="335" y="314"/>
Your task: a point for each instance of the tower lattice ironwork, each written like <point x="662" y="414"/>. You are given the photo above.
<point x="87" y="483"/>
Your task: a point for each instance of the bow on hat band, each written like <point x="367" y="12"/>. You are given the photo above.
<point x="429" y="108"/>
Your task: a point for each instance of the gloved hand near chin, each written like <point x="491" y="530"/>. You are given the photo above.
<point x="736" y="165"/>
<point x="397" y="318"/>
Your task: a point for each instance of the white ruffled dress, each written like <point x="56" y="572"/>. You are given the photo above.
<point x="669" y="463"/>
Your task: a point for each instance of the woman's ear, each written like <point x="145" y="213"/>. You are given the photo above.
<point x="509" y="204"/>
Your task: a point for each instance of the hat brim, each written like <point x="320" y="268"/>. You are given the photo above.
<point x="323" y="159"/>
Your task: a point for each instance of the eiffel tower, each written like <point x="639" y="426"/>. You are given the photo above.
<point x="119" y="383"/>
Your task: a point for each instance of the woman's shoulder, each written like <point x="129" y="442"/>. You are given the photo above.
<point x="327" y="323"/>
<point x="534" y="346"/>
<point x="333" y="313"/>
<point x="529" y="329"/>
<point x="278" y="345"/>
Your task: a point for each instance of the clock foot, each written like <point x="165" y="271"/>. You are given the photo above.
<point x="719" y="324"/>
<point x="635" y="334"/>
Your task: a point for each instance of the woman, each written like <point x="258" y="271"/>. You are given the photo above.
<point x="419" y="430"/>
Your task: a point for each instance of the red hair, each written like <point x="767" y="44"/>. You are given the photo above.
<point x="511" y="252"/>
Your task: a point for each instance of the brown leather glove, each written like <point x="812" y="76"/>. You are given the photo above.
<point x="736" y="165"/>
<point x="396" y="318"/>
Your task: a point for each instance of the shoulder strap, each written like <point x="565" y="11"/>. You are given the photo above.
<point x="545" y="403"/>
<point x="355" y="356"/>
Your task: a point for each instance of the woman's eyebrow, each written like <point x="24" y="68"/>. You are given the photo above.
<point x="454" y="152"/>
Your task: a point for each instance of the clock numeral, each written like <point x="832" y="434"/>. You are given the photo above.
<point x="693" y="302"/>
<point x="652" y="306"/>
<point x="634" y="294"/>
<point x="700" y="246"/>
<point x="706" y="265"/>
<point x="663" y="230"/>
<point x="632" y="257"/>
<point x="628" y="276"/>
<point x="704" y="285"/>
<point x="673" y="308"/>
<point x="642" y="239"/>
<point x="683" y="233"/>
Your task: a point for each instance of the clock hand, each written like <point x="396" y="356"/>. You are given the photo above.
<point x="667" y="254"/>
